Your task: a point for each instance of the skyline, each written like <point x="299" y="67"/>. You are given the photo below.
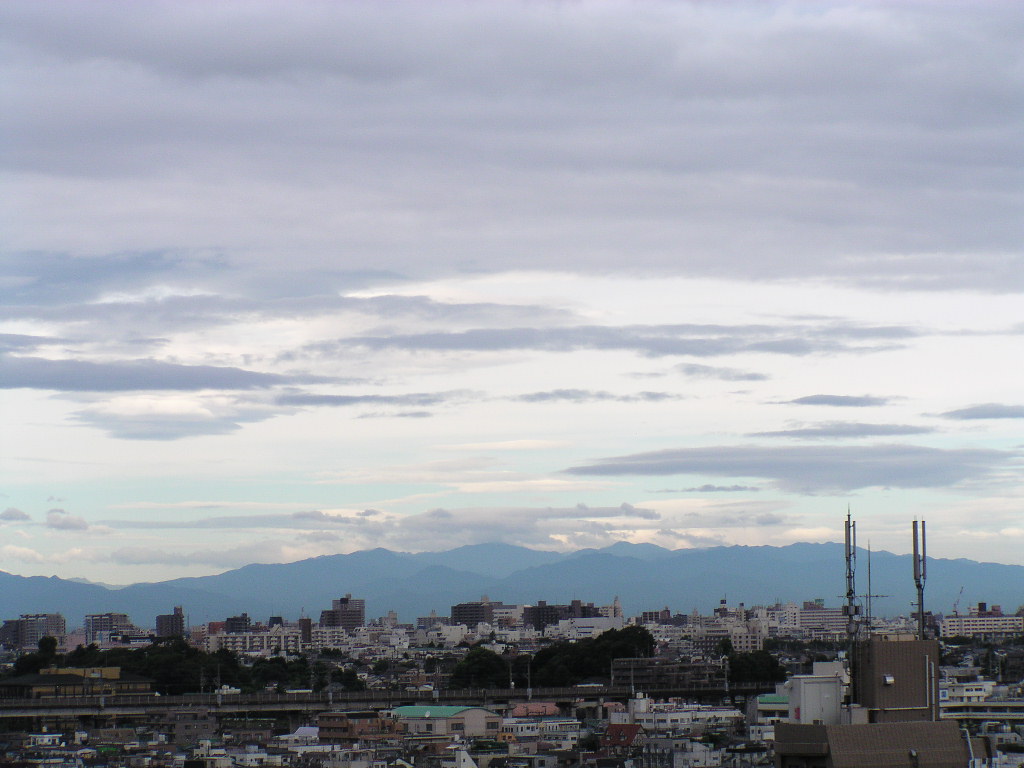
<point x="288" y="280"/>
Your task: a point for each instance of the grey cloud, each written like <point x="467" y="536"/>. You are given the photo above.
<point x="259" y="552"/>
<point x="987" y="411"/>
<point x="724" y="374"/>
<point x="131" y="375"/>
<point x="13" y="514"/>
<point x="587" y="395"/>
<point x="708" y="488"/>
<point x="62" y="279"/>
<point x="375" y="523"/>
<point x="862" y="144"/>
<point x="20" y="341"/>
<point x="274" y="299"/>
<point x="652" y="341"/>
<point x="417" y="398"/>
<point x="841" y="429"/>
<point x="841" y="401"/>
<point x="60" y="520"/>
<point x="814" y="469"/>
<point x="723" y="519"/>
<point x="308" y="519"/>
<point x="162" y="427"/>
<point x="397" y="415"/>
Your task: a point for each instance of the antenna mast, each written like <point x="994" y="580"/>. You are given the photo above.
<point x="868" y="621"/>
<point x="920" y="574"/>
<point x="850" y="609"/>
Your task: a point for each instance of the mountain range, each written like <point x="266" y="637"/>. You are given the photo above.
<point x="643" y="576"/>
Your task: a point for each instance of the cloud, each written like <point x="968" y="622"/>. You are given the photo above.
<point x="724" y="374"/>
<point x="844" y="429"/>
<point x="506" y="445"/>
<point x="417" y="398"/>
<point x="60" y="520"/>
<point x="20" y="341"/>
<point x="817" y="469"/>
<point x="12" y="513"/>
<point x="397" y="415"/>
<point x="125" y="376"/>
<point x="586" y="396"/>
<point x="24" y="554"/>
<point x="313" y="532"/>
<point x="987" y="411"/>
<point x="841" y="401"/>
<point x="230" y="557"/>
<point x="411" y="131"/>
<point x="649" y="340"/>
<point x="707" y="488"/>
<point x="148" y="416"/>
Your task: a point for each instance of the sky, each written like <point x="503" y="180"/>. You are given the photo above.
<point x="288" y="279"/>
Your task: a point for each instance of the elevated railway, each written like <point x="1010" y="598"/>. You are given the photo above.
<point x="121" y="710"/>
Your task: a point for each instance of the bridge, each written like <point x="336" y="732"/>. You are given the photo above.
<point x="303" y="707"/>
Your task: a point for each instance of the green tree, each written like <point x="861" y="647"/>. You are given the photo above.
<point x="480" y="668"/>
<point x="568" y="663"/>
<point x="755" y="667"/>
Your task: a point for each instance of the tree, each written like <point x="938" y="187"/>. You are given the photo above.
<point x="348" y="679"/>
<point x="589" y="743"/>
<point x="755" y="667"/>
<point x="480" y="668"/>
<point x="567" y="663"/>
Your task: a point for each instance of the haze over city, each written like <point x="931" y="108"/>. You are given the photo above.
<point x="283" y="280"/>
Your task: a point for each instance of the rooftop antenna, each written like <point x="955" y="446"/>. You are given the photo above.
<point x="920" y="574"/>
<point x="869" y="615"/>
<point x="851" y="610"/>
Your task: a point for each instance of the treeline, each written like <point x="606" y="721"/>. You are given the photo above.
<point x="175" y="667"/>
<point x="556" y="665"/>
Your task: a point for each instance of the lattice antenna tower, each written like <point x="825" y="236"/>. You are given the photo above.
<point x="920" y="574"/>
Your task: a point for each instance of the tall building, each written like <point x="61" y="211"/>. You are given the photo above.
<point x="100" y="626"/>
<point x="236" y="624"/>
<point x="171" y="624"/>
<point x="541" y="615"/>
<point x="471" y="614"/>
<point x="346" y="612"/>
<point x="27" y="631"/>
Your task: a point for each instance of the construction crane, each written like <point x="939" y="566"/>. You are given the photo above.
<point x="956" y="603"/>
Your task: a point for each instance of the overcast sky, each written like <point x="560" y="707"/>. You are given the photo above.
<point x="295" y="278"/>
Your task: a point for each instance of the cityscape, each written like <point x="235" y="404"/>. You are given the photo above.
<point x="511" y="384"/>
<point x="523" y="685"/>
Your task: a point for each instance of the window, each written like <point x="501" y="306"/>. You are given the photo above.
<point x="458" y="726"/>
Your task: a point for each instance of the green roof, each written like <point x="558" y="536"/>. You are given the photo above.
<point x="430" y="711"/>
<point x="773" y="698"/>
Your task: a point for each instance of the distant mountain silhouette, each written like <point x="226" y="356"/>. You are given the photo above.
<point x="643" y="576"/>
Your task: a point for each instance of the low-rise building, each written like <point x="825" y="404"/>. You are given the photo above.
<point x="355" y="726"/>
<point x="447" y="721"/>
<point x="72" y="682"/>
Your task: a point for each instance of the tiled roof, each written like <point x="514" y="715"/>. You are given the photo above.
<point x="428" y="711"/>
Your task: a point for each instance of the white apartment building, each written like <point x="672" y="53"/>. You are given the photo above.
<point x="987" y="626"/>
<point x="278" y="639"/>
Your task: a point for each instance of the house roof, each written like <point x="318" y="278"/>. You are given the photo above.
<point x="773" y="698"/>
<point x="876" y="745"/>
<point x="938" y="744"/>
<point x="430" y="711"/>
<point x="620" y="735"/>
